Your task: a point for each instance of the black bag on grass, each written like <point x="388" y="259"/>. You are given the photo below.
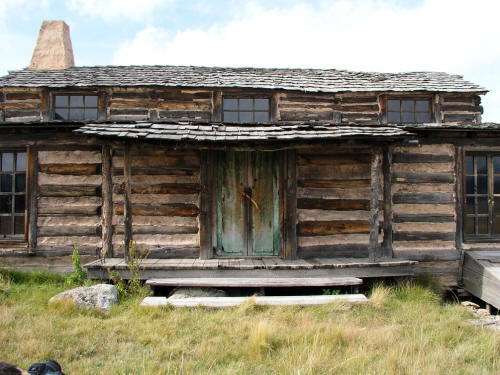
<point x="47" y="368"/>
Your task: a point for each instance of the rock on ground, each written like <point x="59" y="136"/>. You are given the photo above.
<point x="101" y="296"/>
<point x="185" y="292"/>
<point x="482" y="316"/>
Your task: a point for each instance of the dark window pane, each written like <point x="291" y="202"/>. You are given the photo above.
<point x="407" y="117"/>
<point x="21" y="162"/>
<point x="393" y="105"/>
<point x="422" y="105"/>
<point x="496" y="208"/>
<point x="6" y="183"/>
<point x="469" y="182"/>
<point x="482" y="205"/>
<point x="90" y="114"/>
<point x="246" y="117"/>
<point x="469" y="225"/>
<point x="496" y="226"/>
<point x="246" y="104"/>
<point x="19" y="203"/>
<point x="5" y="225"/>
<point x="408" y="105"/>
<point x="262" y="104"/>
<point x="76" y="114"/>
<point x="482" y="184"/>
<point x="7" y="162"/>
<point x="61" y="114"/>
<point x="496" y="164"/>
<point x="393" y="117"/>
<point x="496" y="183"/>
<point x="469" y="165"/>
<point x="261" y="116"/>
<point x="422" y="117"/>
<point x="61" y="100"/>
<point x="230" y="104"/>
<point x="19" y="225"/>
<point x="20" y="183"/>
<point x="470" y="205"/>
<point x="76" y="101"/>
<point x="481" y="164"/>
<point x="5" y="204"/>
<point x="230" y="116"/>
<point x="482" y="225"/>
<point x="91" y="101"/>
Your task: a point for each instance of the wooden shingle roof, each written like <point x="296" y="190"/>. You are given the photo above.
<point x="308" y="80"/>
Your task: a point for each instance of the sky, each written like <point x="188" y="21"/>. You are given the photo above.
<point x="454" y="36"/>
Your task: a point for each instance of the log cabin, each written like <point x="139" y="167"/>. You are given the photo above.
<point x="245" y="172"/>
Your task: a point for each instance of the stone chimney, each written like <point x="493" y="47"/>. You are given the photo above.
<point x="53" y="49"/>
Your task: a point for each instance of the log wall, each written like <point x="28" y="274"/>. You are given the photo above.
<point x="69" y="202"/>
<point x="22" y="106"/>
<point x="165" y="187"/>
<point x="333" y="202"/>
<point x="424" y="208"/>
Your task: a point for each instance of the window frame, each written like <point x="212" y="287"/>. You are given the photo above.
<point x="53" y="106"/>
<point x="490" y="196"/>
<point x="13" y="214"/>
<point x="409" y="98"/>
<point x="269" y="110"/>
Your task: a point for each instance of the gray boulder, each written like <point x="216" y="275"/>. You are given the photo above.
<point x="101" y="296"/>
<point x="186" y="292"/>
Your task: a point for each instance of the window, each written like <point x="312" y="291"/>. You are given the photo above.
<point x="12" y="193"/>
<point x="408" y="111"/>
<point x="482" y="195"/>
<point x="245" y="110"/>
<point x="75" y="107"/>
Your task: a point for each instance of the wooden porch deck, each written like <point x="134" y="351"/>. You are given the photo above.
<point x="481" y="275"/>
<point x="255" y="267"/>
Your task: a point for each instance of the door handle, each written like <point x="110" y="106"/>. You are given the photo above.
<point x="246" y="196"/>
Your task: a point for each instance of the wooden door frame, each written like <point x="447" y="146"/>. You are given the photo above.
<point x="287" y="188"/>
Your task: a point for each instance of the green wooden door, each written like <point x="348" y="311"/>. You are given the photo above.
<point x="247" y="204"/>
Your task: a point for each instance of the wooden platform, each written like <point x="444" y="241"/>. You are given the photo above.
<point x="263" y="267"/>
<point x="481" y="275"/>
<point x="259" y="300"/>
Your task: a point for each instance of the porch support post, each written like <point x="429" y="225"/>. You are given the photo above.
<point x="289" y="191"/>
<point x="207" y="199"/>
<point x="127" y="205"/>
<point x="33" y="198"/>
<point x="387" y="171"/>
<point x="373" y="248"/>
<point x="107" y="203"/>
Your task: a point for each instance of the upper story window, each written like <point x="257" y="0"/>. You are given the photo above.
<point x="12" y="193"/>
<point x="75" y="107"/>
<point x="245" y="110"/>
<point x="408" y="111"/>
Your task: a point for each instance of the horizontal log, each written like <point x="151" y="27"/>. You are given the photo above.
<point x="419" y="178"/>
<point x="162" y="240"/>
<point x="452" y="117"/>
<point x="361" y="108"/>
<point x="159" y="220"/>
<point x="159" y="189"/>
<point x="189" y="160"/>
<point x="423" y="236"/>
<point x="174" y="209"/>
<point x="22" y="96"/>
<point x="68" y="190"/>
<point x="56" y="221"/>
<point x="321" y="228"/>
<point x="21" y="113"/>
<point x="424" y="209"/>
<point x="188" y="115"/>
<point x="61" y="179"/>
<point x="333" y="239"/>
<point x="23" y="105"/>
<point x="69" y="157"/>
<point x="423" y="218"/>
<point x="131" y="95"/>
<point x="435" y="149"/>
<point x="461" y="108"/>
<point x="353" y="193"/>
<point x="319" y="159"/>
<point x="359" y="99"/>
<point x="183" y="252"/>
<point x="62" y="250"/>
<point x="69" y="230"/>
<point x="353" y="250"/>
<point x="360" y="117"/>
<point x="328" y="215"/>
<point x="421" y="158"/>
<point x="160" y="179"/>
<point x="423" y="198"/>
<point x="325" y="172"/>
<point x="423" y="188"/>
<point x="71" y="169"/>
<point x="70" y="241"/>
<point x="124" y="111"/>
<point x="459" y="99"/>
<point x="427" y="255"/>
<point x="159" y="198"/>
<point x="154" y="229"/>
<point x="158" y="171"/>
<point x="334" y="184"/>
<point x="424" y="227"/>
<point x="333" y="204"/>
<point x="306" y="115"/>
<point x="70" y="210"/>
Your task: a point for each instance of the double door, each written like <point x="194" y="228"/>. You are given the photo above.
<point x="247" y="204"/>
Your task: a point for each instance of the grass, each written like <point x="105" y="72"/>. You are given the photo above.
<point x="406" y="329"/>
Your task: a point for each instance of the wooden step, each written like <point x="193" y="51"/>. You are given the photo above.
<point x="255" y="282"/>
<point x="259" y="300"/>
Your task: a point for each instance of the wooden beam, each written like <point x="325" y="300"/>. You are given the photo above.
<point x="207" y="177"/>
<point x="107" y="203"/>
<point x="127" y="204"/>
<point x="387" y="171"/>
<point x="373" y="248"/>
<point x="33" y="198"/>
<point x="290" y="205"/>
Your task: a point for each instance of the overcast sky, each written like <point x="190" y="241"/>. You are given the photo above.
<point x="455" y="36"/>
